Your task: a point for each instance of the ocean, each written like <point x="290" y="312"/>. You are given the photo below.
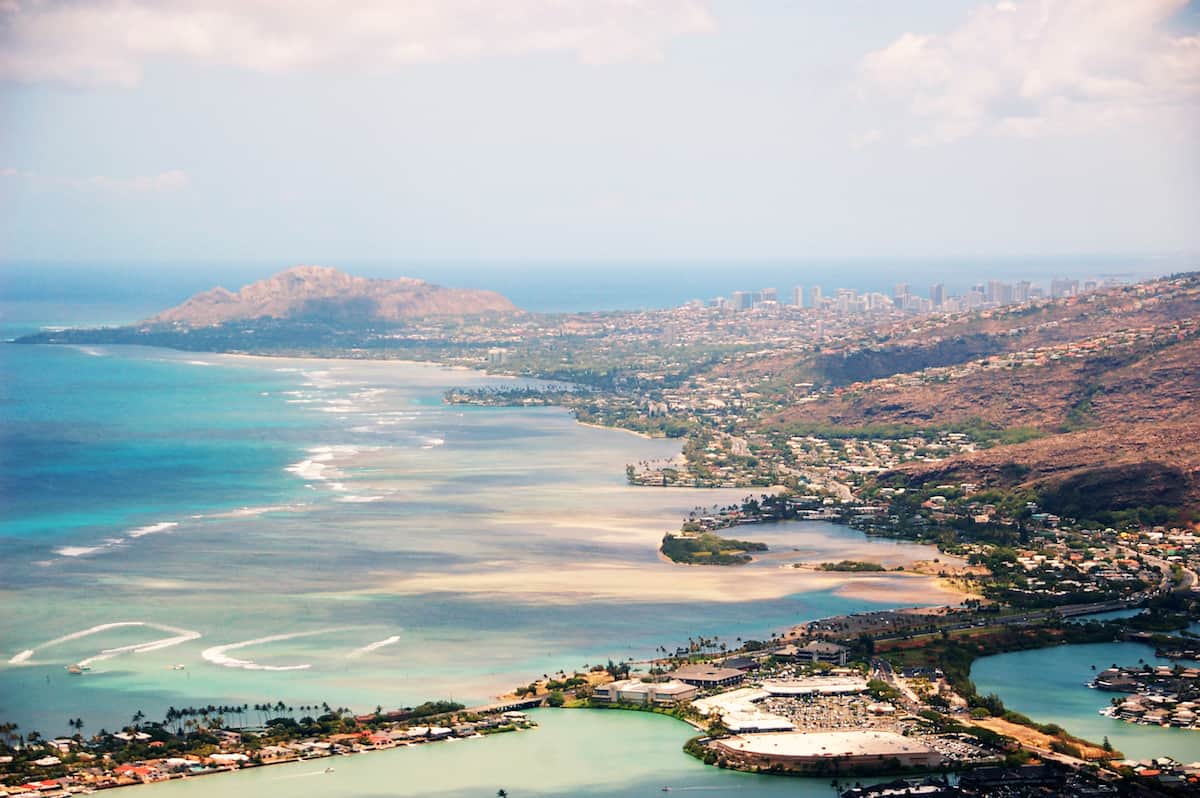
<point x="231" y="530"/>
<point x="212" y="529"/>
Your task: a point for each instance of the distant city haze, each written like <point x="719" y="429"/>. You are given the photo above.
<point x="108" y="293"/>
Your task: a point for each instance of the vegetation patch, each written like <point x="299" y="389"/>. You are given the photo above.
<point x="709" y="549"/>
<point x="853" y="566"/>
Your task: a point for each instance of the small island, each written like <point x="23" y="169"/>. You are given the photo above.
<point x="851" y="566"/>
<point x="707" y="548"/>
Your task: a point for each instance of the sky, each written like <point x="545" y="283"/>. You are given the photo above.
<point x="346" y="131"/>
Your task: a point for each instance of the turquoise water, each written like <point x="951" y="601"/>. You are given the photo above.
<point x="1049" y="685"/>
<point x="1111" y="615"/>
<point x="93" y="441"/>
<point x="317" y="531"/>
<point x="573" y="752"/>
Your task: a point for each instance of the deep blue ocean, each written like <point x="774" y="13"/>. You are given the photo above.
<point x="88" y="440"/>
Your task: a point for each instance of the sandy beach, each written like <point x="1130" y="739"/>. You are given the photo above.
<point x="641" y="435"/>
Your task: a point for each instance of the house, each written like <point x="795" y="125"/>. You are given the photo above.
<point x="139" y="772"/>
<point x="428" y="732"/>
<point x="228" y="759"/>
<point x="134" y="737"/>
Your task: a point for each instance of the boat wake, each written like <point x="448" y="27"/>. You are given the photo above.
<point x="177" y="636"/>
<point x="219" y="655"/>
<point x="378" y="644"/>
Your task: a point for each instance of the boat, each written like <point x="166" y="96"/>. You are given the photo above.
<point x="329" y="770"/>
<point x="74" y="670"/>
<point x="177" y="667"/>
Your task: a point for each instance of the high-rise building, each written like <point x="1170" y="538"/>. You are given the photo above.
<point x="741" y="300"/>
<point x="937" y="294"/>
<point x="1061" y="286"/>
<point x="999" y="292"/>
<point x="847" y="301"/>
<point x="768" y="295"/>
<point x="798" y="296"/>
<point x="1021" y="291"/>
<point x="816" y="296"/>
<point x="899" y="292"/>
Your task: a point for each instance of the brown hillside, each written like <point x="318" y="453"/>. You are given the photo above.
<point x="1117" y="467"/>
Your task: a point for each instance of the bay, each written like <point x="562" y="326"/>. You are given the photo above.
<point x="594" y="753"/>
<point x="227" y="530"/>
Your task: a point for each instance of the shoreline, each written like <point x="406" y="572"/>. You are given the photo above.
<point x="365" y="735"/>
<point x="642" y="435"/>
<point x="313" y="359"/>
<point x="880" y="593"/>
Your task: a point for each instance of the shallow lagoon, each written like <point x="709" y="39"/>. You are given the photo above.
<point x="573" y="752"/>
<point x="401" y="549"/>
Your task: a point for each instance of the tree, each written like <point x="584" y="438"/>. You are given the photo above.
<point x="8" y="732"/>
<point x="556" y="699"/>
<point x="501" y="793"/>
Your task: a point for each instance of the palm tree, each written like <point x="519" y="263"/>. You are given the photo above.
<point x="501" y="793"/>
<point x="8" y="732"/>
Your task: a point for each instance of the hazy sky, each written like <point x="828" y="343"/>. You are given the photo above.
<point x="325" y="131"/>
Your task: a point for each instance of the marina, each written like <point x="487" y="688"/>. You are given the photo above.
<point x="1060" y="695"/>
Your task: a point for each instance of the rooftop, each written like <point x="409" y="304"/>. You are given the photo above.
<point x="707" y="673"/>
<point x="843" y="743"/>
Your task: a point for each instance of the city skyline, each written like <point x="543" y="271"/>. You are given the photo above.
<point x="993" y="293"/>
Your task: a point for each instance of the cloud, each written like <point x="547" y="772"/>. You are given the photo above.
<point x="161" y="183"/>
<point x="97" y="42"/>
<point x="1037" y="67"/>
<point x="869" y="138"/>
